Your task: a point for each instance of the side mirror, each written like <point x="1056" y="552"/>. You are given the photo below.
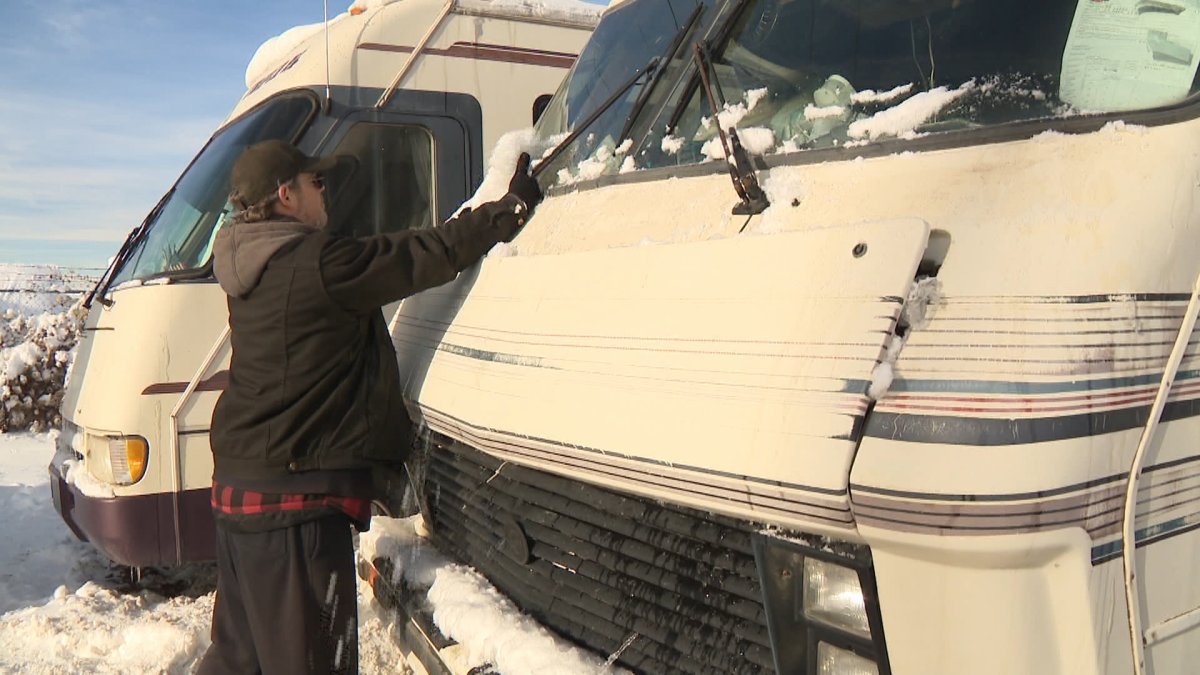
<point x="539" y="106"/>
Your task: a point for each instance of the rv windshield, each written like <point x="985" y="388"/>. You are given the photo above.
<point x="179" y="236"/>
<point x="797" y="75"/>
<point x="629" y="37"/>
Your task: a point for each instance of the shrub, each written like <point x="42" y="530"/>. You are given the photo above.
<point x="36" y="351"/>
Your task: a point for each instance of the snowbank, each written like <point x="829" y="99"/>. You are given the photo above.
<point x="64" y="609"/>
<point x="60" y="608"/>
<point x="40" y="320"/>
<point x="469" y="610"/>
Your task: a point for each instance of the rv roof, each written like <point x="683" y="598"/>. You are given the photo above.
<point x="567" y="11"/>
<point x="570" y="12"/>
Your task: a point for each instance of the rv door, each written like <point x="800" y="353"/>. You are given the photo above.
<point x="399" y="171"/>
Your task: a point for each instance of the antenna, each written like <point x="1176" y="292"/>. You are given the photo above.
<point x="328" y="97"/>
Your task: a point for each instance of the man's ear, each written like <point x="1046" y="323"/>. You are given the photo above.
<point x="285" y="200"/>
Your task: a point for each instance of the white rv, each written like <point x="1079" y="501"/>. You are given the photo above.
<point x="853" y="336"/>
<point x="414" y="92"/>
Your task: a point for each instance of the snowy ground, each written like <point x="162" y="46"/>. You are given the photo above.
<point x="64" y="609"/>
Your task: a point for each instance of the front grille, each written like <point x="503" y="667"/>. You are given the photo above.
<point x="670" y="588"/>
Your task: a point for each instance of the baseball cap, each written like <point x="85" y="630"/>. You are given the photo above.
<point x="264" y="166"/>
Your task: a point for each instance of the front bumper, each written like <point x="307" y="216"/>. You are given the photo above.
<point x="138" y="530"/>
<point x="414" y="625"/>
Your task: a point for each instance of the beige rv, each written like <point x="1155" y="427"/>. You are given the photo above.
<point x="853" y="337"/>
<point x="412" y="93"/>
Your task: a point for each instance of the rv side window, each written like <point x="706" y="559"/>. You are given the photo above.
<point x="384" y="181"/>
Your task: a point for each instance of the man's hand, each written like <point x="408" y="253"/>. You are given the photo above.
<point x="523" y="185"/>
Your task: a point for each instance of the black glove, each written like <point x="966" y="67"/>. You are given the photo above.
<point x="524" y="186"/>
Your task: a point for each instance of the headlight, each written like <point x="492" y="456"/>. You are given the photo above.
<point x="120" y="460"/>
<point x="833" y="596"/>
<point x="822" y="607"/>
<point x="837" y="661"/>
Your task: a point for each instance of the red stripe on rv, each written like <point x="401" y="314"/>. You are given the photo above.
<point x="485" y="52"/>
<point x="218" y="382"/>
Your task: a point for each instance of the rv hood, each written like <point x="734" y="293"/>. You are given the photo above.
<point x="241" y="251"/>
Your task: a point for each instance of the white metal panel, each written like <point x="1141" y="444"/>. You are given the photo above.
<point x="735" y="369"/>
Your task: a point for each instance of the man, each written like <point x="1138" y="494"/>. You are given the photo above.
<point x="313" y="413"/>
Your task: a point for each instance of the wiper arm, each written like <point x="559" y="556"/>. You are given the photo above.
<point x="644" y="95"/>
<point x="123" y="253"/>
<point x="102" y="283"/>
<point x="745" y="181"/>
<point x="649" y="69"/>
<point x="719" y="35"/>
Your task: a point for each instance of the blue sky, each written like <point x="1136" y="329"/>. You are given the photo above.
<point x="104" y="102"/>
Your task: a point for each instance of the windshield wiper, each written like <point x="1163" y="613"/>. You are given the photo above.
<point x="644" y="95"/>
<point x="718" y="37"/>
<point x="649" y="69"/>
<point x="745" y="181"/>
<point x="123" y="254"/>
<point x="101" y="283"/>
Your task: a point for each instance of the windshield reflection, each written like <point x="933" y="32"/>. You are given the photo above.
<point x="178" y="237"/>
<point x="631" y="36"/>
<point x="800" y="75"/>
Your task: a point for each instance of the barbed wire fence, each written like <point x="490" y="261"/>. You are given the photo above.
<point x="47" y="279"/>
<point x="41" y="317"/>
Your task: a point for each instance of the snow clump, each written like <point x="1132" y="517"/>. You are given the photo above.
<point x="39" y="326"/>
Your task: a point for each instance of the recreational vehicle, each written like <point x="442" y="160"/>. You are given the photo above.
<point x="409" y="94"/>
<point x="853" y="336"/>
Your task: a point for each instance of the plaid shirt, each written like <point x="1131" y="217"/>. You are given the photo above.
<point x="233" y="501"/>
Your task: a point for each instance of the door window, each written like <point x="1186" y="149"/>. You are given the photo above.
<point x="384" y="180"/>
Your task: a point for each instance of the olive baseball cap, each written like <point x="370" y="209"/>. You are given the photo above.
<point x="264" y="166"/>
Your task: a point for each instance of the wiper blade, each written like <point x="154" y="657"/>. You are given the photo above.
<point x="719" y="35"/>
<point x="131" y="241"/>
<point x="102" y="283"/>
<point x="644" y="95"/>
<point x="745" y="181"/>
<point x="648" y="69"/>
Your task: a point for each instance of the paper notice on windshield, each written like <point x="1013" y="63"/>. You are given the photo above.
<point x="1127" y="54"/>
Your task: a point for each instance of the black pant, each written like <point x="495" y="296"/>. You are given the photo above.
<point x="286" y="601"/>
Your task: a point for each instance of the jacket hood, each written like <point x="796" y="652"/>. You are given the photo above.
<point x="241" y="251"/>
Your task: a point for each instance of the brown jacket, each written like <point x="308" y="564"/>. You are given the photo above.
<point x="314" y="388"/>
